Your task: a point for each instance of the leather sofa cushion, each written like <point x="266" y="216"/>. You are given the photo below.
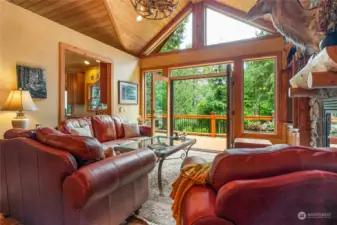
<point x="104" y="128"/>
<point x="117" y="142"/>
<point x="244" y="164"/>
<point x="119" y="127"/>
<point x="66" y="126"/>
<point x="84" y="149"/>
<point x="98" y="180"/>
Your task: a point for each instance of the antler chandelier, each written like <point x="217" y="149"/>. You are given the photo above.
<point x="155" y="9"/>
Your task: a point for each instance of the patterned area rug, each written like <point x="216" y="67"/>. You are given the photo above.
<point x="157" y="209"/>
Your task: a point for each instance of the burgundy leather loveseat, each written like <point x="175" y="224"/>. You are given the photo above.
<point x="50" y="178"/>
<point x="271" y="186"/>
<point x="106" y="129"/>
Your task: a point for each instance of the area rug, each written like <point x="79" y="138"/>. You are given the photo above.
<point x="157" y="210"/>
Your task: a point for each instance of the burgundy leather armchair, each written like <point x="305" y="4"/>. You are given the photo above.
<point x="266" y="186"/>
<point x="50" y="178"/>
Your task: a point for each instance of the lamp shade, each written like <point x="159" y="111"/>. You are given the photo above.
<point x="19" y="100"/>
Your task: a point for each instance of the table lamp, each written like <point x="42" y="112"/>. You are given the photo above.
<point x="19" y="101"/>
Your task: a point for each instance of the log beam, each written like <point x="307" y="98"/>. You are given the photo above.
<point x="301" y="92"/>
<point x="325" y="61"/>
<point x="322" y="80"/>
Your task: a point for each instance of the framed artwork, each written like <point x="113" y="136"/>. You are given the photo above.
<point x="127" y="93"/>
<point x="32" y="80"/>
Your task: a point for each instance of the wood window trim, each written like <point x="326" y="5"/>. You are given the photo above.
<point x="281" y="89"/>
<point x="63" y="47"/>
<point x="280" y="116"/>
<point x="199" y="25"/>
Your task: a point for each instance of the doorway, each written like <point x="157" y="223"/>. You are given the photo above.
<point x="85" y="83"/>
<point x="192" y="100"/>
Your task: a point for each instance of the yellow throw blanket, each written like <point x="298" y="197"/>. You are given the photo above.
<point x="190" y="175"/>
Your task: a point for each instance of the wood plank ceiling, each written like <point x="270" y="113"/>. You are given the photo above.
<point x="110" y="21"/>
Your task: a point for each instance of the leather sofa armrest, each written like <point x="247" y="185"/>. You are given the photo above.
<point x="199" y="207"/>
<point x="19" y="132"/>
<point x="145" y="131"/>
<point x="284" y="196"/>
<point x="97" y="180"/>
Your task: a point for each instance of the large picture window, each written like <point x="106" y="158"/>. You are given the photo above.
<point x="222" y="29"/>
<point x="259" y="95"/>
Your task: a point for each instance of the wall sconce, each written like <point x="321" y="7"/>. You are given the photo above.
<point x="121" y="109"/>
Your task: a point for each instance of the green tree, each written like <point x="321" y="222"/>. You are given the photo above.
<point x="177" y="38"/>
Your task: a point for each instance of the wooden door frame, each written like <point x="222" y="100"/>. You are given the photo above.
<point x="63" y="47"/>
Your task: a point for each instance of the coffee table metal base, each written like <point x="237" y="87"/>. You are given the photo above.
<point x="160" y="166"/>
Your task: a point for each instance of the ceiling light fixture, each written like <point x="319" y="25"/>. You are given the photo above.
<point x="139" y="18"/>
<point x="98" y="61"/>
<point x="86" y="62"/>
<point x="155" y="9"/>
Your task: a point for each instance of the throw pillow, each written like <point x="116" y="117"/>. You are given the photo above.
<point x="131" y="130"/>
<point x="82" y="131"/>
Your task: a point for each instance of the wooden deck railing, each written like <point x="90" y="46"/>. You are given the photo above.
<point x="204" y="125"/>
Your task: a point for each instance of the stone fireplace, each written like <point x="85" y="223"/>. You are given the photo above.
<point x="323" y="107"/>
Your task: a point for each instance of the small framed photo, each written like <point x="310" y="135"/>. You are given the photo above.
<point x="127" y="93"/>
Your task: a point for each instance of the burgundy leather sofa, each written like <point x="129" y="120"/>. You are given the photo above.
<point x="50" y="178"/>
<point x="106" y="129"/>
<point x="269" y="186"/>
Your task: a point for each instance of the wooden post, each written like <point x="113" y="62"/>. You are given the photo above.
<point x="213" y="124"/>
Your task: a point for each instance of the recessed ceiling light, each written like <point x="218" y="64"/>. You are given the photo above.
<point x="98" y="61"/>
<point x="139" y="18"/>
<point x="86" y="62"/>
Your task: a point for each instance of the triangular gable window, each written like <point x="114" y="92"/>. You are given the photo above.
<point x="181" y="38"/>
<point x="222" y="29"/>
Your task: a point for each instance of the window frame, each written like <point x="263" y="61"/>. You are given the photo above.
<point x="275" y="94"/>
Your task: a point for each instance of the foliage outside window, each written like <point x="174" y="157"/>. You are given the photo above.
<point x="259" y="95"/>
<point x="181" y="37"/>
<point x="148" y="93"/>
<point x="200" y="70"/>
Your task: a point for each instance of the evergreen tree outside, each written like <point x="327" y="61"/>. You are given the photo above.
<point x="204" y="96"/>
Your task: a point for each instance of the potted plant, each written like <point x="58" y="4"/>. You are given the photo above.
<point x="327" y="22"/>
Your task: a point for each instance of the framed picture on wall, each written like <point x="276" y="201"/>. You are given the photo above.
<point x="32" y="80"/>
<point x="127" y="93"/>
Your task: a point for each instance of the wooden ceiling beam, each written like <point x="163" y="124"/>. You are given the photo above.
<point x="166" y="31"/>
<point x="239" y="15"/>
<point x="108" y="5"/>
<point x="198" y="25"/>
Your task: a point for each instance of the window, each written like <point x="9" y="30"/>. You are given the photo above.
<point x="181" y="38"/>
<point x="221" y="29"/>
<point x="259" y="95"/>
<point x="148" y="95"/>
<point x="199" y="70"/>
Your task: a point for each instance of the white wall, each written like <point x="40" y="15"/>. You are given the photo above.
<point x="29" y="39"/>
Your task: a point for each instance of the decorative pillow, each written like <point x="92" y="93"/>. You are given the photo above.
<point x="131" y="130"/>
<point x="103" y="127"/>
<point x="82" y="131"/>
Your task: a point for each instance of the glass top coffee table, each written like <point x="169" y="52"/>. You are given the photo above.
<point x="163" y="147"/>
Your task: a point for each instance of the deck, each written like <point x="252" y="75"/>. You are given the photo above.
<point x="208" y="144"/>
